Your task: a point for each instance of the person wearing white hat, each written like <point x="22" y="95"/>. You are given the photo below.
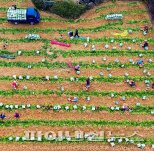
<point x="145" y="45"/>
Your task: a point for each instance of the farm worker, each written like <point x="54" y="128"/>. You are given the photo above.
<point x="140" y="63"/>
<point x="77" y="68"/>
<point x="76" y="33"/>
<point x="132" y="83"/>
<point x="2" y="116"/>
<point x="153" y="85"/>
<point x="145" y="45"/>
<point x="85" y="45"/>
<point x="88" y="39"/>
<point x="147" y="82"/>
<point x="73" y="99"/>
<point x="70" y="34"/>
<point x="14" y="7"/>
<point x="5" y="45"/>
<point x="14" y="85"/>
<point x="88" y="83"/>
<point x="88" y="99"/>
<point x="125" y="107"/>
<point x="146" y="28"/>
<point x="69" y="99"/>
<point x="93" y="48"/>
<point x="61" y="36"/>
<point x="16" y="115"/>
<point x="62" y="88"/>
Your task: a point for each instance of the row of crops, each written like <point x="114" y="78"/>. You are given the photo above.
<point x="51" y="70"/>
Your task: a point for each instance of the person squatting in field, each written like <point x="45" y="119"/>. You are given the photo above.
<point x="88" y="83"/>
<point x="14" y="85"/>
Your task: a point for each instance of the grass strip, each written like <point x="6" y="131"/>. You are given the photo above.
<point x="80" y="79"/>
<point x="135" y="109"/>
<point x="64" y="65"/>
<point x="31" y="122"/>
<point x="77" y="93"/>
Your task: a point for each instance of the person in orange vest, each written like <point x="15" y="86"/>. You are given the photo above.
<point x="14" y="85"/>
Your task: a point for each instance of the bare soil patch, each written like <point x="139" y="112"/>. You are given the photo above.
<point x="23" y="46"/>
<point x="75" y="115"/>
<point x="95" y="86"/>
<point x="54" y="99"/>
<point x="69" y="72"/>
<point x="89" y="59"/>
<point x="29" y="59"/>
<point x="27" y="3"/>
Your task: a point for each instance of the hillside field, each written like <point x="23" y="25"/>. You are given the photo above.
<point x="46" y="79"/>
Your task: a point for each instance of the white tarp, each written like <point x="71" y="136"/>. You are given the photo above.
<point x="114" y="16"/>
<point x="16" y="14"/>
<point x="33" y="37"/>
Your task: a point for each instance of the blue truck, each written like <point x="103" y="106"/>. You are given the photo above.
<point x="23" y="15"/>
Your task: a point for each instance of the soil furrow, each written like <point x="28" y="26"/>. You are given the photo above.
<point x="55" y="99"/>
<point x="75" y="115"/>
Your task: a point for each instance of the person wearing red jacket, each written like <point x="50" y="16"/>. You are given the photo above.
<point x="14" y="85"/>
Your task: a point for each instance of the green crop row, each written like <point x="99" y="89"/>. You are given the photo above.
<point x="78" y="53"/>
<point x="79" y="108"/>
<point x="75" y="53"/>
<point x="33" y="122"/>
<point x="107" y="26"/>
<point x="98" y="9"/>
<point x="48" y="65"/>
<point x="138" y="21"/>
<point x="3" y="8"/>
<point x="24" y="53"/>
<point x="107" y="40"/>
<point x="132" y="3"/>
<point x="81" y="79"/>
<point x="23" y="40"/>
<point x="78" y="93"/>
<point x="2" y="20"/>
<point x="79" y="41"/>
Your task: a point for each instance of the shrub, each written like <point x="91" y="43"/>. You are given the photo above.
<point x="68" y="9"/>
<point x="64" y="8"/>
<point x="38" y="4"/>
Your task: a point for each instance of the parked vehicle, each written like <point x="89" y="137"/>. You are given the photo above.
<point x="23" y="15"/>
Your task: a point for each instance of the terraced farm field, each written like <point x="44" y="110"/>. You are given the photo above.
<point x="46" y="80"/>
